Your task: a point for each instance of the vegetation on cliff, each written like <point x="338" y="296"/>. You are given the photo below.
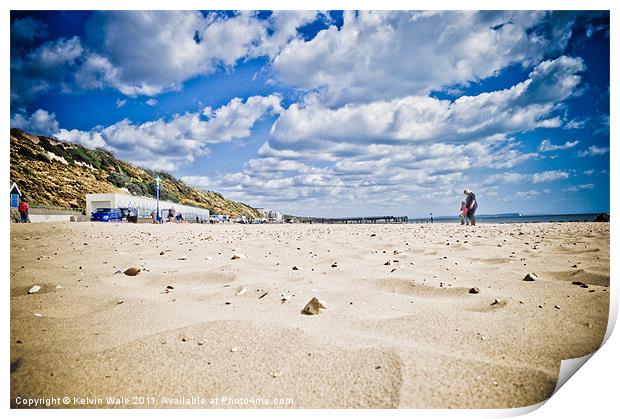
<point x="59" y="174"/>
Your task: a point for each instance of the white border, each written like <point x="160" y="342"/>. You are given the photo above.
<point x="592" y="392"/>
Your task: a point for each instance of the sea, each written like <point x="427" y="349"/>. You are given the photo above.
<point x="513" y="218"/>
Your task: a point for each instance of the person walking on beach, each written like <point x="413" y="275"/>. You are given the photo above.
<point x="471" y="205"/>
<point x="463" y="214"/>
<point x="23" y="210"/>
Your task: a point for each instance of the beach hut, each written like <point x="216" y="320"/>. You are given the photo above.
<point x="15" y="195"/>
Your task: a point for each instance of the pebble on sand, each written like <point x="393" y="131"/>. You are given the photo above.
<point x="474" y="290"/>
<point x="581" y="284"/>
<point x="530" y="277"/>
<point x="34" y="289"/>
<point x="314" y="306"/>
<point x="238" y="256"/>
<point x="242" y="291"/>
<point x="133" y="271"/>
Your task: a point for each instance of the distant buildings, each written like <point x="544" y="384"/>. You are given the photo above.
<point x="144" y="205"/>
<point x="270" y="216"/>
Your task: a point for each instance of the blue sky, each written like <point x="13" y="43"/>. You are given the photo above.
<point x="336" y="113"/>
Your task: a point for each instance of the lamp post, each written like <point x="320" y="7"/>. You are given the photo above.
<point x="157" y="179"/>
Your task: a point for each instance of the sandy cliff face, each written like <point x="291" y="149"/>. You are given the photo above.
<point x="55" y="173"/>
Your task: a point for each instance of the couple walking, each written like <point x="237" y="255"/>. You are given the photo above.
<point x="468" y="208"/>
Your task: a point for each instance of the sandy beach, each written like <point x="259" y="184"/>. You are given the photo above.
<point x="401" y="328"/>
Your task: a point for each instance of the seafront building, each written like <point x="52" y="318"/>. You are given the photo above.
<point x="145" y="206"/>
<point x="271" y="216"/>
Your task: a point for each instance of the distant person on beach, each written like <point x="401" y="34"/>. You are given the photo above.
<point x="23" y="209"/>
<point x="179" y="218"/>
<point x="463" y="214"/>
<point x="154" y="217"/>
<point x="472" y="205"/>
<point x="171" y="215"/>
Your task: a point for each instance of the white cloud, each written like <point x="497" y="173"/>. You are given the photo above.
<point x="395" y="150"/>
<point x="593" y="151"/>
<point x="40" y="122"/>
<point x="546" y="145"/>
<point x="48" y="66"/>
<point x="577" y="188"/>
<point x="120" y="103"/>
<point x="151" y="102"/>
<point x="164" y="144"/>
<point x="148" y="52"/>
<point x="549" y="176"/>
<point x="235" y="119"/>
<point x="415" y="119"/>
<point x="26" y="31"/>
<point x="575" y="124"/>
<point x="382" y="55"/>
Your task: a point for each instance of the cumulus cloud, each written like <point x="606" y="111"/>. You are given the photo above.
<point x="523" y="178"/>
<point x="164" y="144"/>
<point x="145" y="52"/>
<point x="547" y="145"/>
<point x="47" y="66"/>
<point x="593" y="151"/>
<point x="40" y="122"/>
<point x="523" y="107"/>
<point x="549" y="176"/>
<point x="578" y="188"/>
<point x="26" y="31"/>
<point x="410" y="146"/>
<point x="378" y="54"/>
<point x="151" y="102"/>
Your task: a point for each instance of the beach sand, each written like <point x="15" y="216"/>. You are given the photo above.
<point x="404" y="334"/>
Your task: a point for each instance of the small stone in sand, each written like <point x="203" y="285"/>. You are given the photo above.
<point x="530" y="277"/>
<point x="235" y="349"/>
<point x="169" y="287"/>
<point x="296" y="268"/>
<point x="474" y="290"/>
<point x="242" y="291"/>
<point x="496" y="301"/>
<point x="275" y="374"/>
<point x="133" y="271"/>
<point x="162" y="253"/>
<point x="556" y="307"/>
<point x="335" y="265"/>
<point x="238" y="256"/>
<point x="34" y="289"/>
<point x="581" y="284"/>
<point x="201" y="342"/>
<point x="314" y="306"/>
<point x="120" y="302"/>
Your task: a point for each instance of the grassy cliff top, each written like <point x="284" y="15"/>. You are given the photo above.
<point x="55" y="173"/>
